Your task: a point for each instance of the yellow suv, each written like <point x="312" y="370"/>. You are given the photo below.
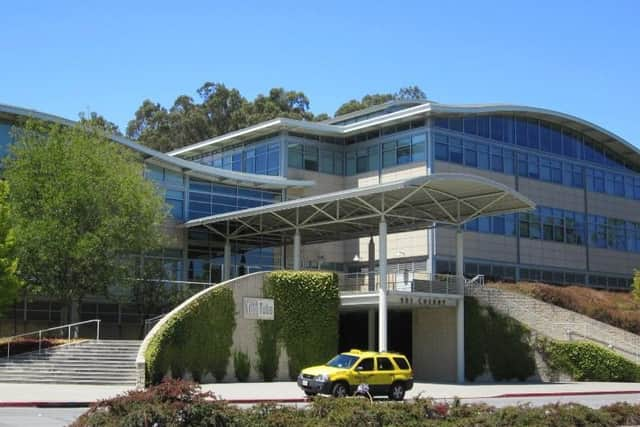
<point x="385" y="373"/>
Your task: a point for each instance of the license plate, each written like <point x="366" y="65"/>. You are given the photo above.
<point x="305" y="382"/>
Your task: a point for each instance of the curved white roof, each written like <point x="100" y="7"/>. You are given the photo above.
<point x="410" y="204"/>
<point x="607" y="138"/>
<point x="161" y="159"/>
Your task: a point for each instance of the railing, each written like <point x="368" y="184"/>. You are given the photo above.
<point x="399" y="281"/>
<point x="149" y="323"/>
<point x="62" y="327"/>
<point x="475" y="282"/>
<point x="574" y="329"/>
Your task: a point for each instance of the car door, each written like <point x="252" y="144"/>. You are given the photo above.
<point x="363" y="371"/>
<point x="383" y="375"/>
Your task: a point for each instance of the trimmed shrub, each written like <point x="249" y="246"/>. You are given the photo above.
<point x="197" y="339"/>
<point x="241" y="366"/>
<point x="180" y="403"/>
<point x="497" y="339"/>
<point x="268" y="349"/>
<point x="306" y="316"/>
<point x="586" y="361"/>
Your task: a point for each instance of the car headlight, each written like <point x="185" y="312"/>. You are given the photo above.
<point x="322" y="378"/>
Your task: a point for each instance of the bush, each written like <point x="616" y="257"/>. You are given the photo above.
<point x="306" y="316"/>
<point x="268" y="349"/>
<point x="241" y="366"/>
<point x="618" y="309"/>
<point x="586" y="361"/>
<point x="197" y="339"/>
<point x="180" y="403"/>
<point x="497" y="339"/>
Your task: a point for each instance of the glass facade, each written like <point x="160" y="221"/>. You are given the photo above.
<point x="172" y="184"/>
<point x="261" y="158"/>
<point x="5" y="139"/>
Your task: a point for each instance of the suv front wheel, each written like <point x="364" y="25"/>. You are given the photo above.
<point x="340" y="389"/>
<point x="396" y="391"/>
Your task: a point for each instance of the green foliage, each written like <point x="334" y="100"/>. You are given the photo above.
<point x="635" y="287"/>
<point x="405" y="93"/>
<point x="219" y="111"/>
<point x="268" y="349"/>
<point x="79" y="205"/>
<point x="241" y="366"/>
<point x="497" y="339"/>
<point x="197" y="339"/>
<point x="586" y="361"/>
<point x="306" y="313"/>
<point x="9" y="281"/>
<point x="178" y="403"/>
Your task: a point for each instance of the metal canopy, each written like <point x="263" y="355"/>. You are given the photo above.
<point x="411" y="204"/>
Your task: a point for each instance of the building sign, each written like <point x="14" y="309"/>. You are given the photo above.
<point x="415" y="301"/>
<point x="258" y="308"/>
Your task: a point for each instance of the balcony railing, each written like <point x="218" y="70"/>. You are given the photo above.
<point x="400" y="281"/>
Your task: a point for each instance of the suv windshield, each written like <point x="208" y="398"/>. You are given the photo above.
<point x="342" y="361"/>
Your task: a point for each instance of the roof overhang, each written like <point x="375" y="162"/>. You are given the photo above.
<point x="158" y="158"/>
<point x="406" y="205"/>
<point x="602" y="136"/>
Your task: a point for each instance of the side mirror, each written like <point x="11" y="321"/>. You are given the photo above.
<point x="359" y="368"/>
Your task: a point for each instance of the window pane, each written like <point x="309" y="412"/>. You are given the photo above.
<point x="389" y="154"/>
<point x="418" y="143"/>
<point x="404" y="150"/>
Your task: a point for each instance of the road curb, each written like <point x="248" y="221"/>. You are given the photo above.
<point x="565" y="393"/>
<point x="87" y="404"/>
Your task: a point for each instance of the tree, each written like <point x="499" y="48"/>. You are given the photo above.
<point x="635" y="287"/>
<point x="80" y="206"/>
<point x="98" y="121"/>
<point x="219" y="111"/>
<point x="405" y="93"/>
<point x="9" y="282"/>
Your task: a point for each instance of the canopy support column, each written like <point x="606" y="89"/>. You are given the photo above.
<point x="382" y="299"/>
<point x="226" y="269"/>
<point x="372" y="265"/>
<point x="460" y="306"/>
<point x="297" y="248"/>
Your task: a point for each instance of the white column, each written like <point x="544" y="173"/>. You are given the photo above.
<point x="226" y="269"/>
<point x="382" y="298"/>
<point x="372" y="265"/>
<point x="460" y="307"/>
<point x="297" y="248"/>
<point x="371" y="330"/>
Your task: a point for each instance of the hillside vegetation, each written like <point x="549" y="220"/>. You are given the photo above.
<point x="618" y="309"/>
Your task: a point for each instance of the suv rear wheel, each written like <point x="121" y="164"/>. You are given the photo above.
<point x="340" y="389"/>
<point x="396" y="391"/>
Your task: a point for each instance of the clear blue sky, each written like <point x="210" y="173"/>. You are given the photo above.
<point x="579" y="57"/>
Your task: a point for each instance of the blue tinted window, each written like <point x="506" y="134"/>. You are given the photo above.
<point x="483" y="156"/>
<point x="455" y="150"/>
<point x="418" y="143"/>
<point x="545" y="138"/>
<point x="532" y="134"/>
<point x="470" y="154"/>
<point x="442" y="148"/>
<point x="497" y="128"/>
<point x="5" y="138"/>
<point x="521" y="132"/>
<point x="442" y="122"/>
<point x="470" y="125"/>
<point x="455" y="123"/>
<point x="483" y="126"/>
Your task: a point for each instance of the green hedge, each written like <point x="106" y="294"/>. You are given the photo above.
<point x="306" y="317"/>
<point x="498" y="340"/>
<point x="197" y="339"/>
<point x="586" y="361"/>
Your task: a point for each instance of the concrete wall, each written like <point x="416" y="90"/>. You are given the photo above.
<point x="434" y="344"/>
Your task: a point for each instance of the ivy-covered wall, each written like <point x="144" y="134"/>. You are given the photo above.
<point x="306" y="320"/>
<point x="196" y="339"/>
<point x="585" y="361"/>
<point x="498" y="341"/>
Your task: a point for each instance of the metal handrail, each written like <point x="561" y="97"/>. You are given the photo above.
<point x="150" y="321"/>
<point x="403" y="281"/>
<point x="39" y="332"/>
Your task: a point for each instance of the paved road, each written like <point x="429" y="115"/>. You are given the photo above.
<point x="38" y="417"/>
<point x="54" y="417"/>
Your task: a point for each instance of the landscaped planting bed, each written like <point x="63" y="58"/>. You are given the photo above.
<point x="25" y="345"/>
<point x="179" y="403"/>
<point x="618" y="309"/>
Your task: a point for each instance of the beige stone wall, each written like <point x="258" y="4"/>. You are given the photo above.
<point x="552" y="195"/>
<point x="477" y="245"/>
<point x="541" y="252"/>
<point x="434" y="344"/>
<point x="603" y="260"/>
<point x="445" y="167"/>
<point x="324" y="183"/>
<point x="613" y="207"/>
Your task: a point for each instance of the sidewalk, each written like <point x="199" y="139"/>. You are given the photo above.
<point x="12" y="394"/>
